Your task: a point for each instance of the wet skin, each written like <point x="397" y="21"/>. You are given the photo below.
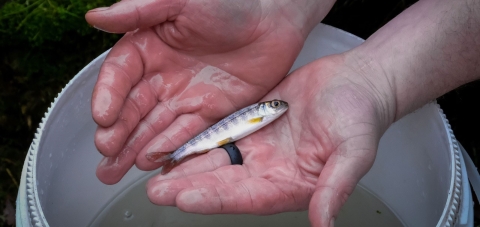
<point x="320" y="148"/>
<point x="191" y="63"/>
<point x="185" y="67"/>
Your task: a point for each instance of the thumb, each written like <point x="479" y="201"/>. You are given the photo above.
<point x="336" y="183"/>
<point x="129" y="15"/>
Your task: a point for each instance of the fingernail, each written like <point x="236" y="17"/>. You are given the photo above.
<point x="99" y="9"/>
<point x="101" y="29"/>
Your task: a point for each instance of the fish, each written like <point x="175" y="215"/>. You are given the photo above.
<point x="230" y="129"/>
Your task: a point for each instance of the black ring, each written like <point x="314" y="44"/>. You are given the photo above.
<point x="234" y="153"/>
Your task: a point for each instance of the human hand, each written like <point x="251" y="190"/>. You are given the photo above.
<point x="312" y="157"/>
<point x="183" y="65"/>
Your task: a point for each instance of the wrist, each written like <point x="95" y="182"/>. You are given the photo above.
<point x="306" y="14"/>
<point x="367" y="73"/>
<point x="426" y="51"/>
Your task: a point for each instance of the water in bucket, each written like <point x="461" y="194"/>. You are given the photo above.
<point x="132" y="208"/>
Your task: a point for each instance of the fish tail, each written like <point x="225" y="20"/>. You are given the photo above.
<point x="165" y="158"/>
<point x="160" y="157"/>
<point x="168" y="166"/>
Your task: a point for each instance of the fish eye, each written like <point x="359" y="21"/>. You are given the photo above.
<point x="275" y="103"/>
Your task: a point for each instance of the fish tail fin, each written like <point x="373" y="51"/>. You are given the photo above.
<point x="160" y="157"/>
<point x="168" y="166"/>
<point x="165" y="158"/>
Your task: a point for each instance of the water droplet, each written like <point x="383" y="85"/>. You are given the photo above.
<point x="128" y="215"/>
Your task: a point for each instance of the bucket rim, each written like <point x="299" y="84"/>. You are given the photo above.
<point x="450" y="212"/>
<point x="35" y="211"/>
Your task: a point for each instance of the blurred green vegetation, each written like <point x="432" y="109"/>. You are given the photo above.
<point x="44" y="43"/>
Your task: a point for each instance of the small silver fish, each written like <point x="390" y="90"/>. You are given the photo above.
<point x="232" y="128"/>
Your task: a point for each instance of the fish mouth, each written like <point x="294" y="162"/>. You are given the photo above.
<point x="285" y="103"/>
<point x="283" y="109"/>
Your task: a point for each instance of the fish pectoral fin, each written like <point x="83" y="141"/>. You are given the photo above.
<point x="224" y="141"/>
<point x="255" y="120"/>
<point x="204" y="151"/>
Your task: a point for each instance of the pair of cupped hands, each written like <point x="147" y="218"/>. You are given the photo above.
<point x="184" y="65"/>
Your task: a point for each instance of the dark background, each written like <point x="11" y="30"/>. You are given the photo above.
<point x="44" y="43"/>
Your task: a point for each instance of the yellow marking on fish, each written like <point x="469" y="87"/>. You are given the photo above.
<point x="224" y="141"/>
<point x="255" y="120"/>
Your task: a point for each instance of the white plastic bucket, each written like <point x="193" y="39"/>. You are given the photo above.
<point x="418" y="176"/>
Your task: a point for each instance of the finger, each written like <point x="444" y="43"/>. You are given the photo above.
<point x="111" y="169"/>
<point x="127" y="16"/>
<point x="185" y="127"/>
<point x="164" y="192"/>
<point x="109" y="141"/>
<point x="336" y="183"/>
<point x="121" y="70"/>
<point x="252" y="195"/>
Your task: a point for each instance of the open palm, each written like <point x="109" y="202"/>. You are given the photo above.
<point x="317" y="151"/>
<point x="182" y="66"/>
